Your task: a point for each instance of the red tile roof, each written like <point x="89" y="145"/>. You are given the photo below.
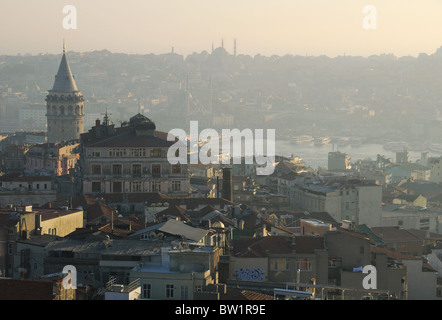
<point x="393" y="254"/>
<point x="83" y="201"/>
<point x="394" y="234"/>
<point x="261" y="247"/>
<point x="174" y="211"/>
<point x="99" y="210"/>
<point x="239" y="294"/>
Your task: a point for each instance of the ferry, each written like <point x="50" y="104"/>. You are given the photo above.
<point x="302" y="139"/>
<point x="356" y="142"/>
<point x="344" y="141"/>
<point x="396" y="146"/>
<point x="418" y="147"/>
<point x="322" y="141"/>
<point x="436" y="148"/>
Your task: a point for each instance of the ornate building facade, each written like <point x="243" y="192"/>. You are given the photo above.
<point x="130" y="159"/>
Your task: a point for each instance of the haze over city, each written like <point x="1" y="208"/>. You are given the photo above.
<point x="308" y="165"/>
<point x="312" y="27"/>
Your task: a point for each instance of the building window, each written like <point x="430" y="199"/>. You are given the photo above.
<point x="96" y="186"/>
<point x="184" y="292"/>
<point x="10" y="248"/>
<point x="198" y="288"/>
<point x="155" y="153"/>
<point x="147" y="290"/>
<point x="304" y="264"/>
<point x="169" y="290"/>
<point x="176" y="185"/>
<point x="96" y="169"/>
<point x="117" y="187"/>
<point x="136" y="170"/>
<point x="280" y="264"/>
<point x="116" y="169"/>
<point x="136" y="186"/>
<point x="115" y="152"/>
<point x="138" y="152"/>
<point x="156" y="187"/>
<point x="176" y="168"/>
<point x="156" y="170"/>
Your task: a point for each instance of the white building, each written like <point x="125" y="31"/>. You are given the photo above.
<point x="436" y="169"/>
<point x="358" y="201"/>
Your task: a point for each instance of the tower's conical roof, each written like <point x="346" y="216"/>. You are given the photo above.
<point x="64" y="80"/>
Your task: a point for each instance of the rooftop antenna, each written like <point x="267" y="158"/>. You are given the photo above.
<point x="64" y="46"/>
<point x="211" y="94"/>
<point x="106" y="118"/>
<point x="188" y="98"/>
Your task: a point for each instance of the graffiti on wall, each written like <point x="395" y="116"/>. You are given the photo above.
<point x="250" y="274"/>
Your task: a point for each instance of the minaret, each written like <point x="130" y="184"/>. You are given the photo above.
<point x="65" y="105"/>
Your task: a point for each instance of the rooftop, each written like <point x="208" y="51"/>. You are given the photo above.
<point x="64" y="80"/>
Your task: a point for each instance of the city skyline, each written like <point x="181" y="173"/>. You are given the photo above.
<point x="280" y="27"/>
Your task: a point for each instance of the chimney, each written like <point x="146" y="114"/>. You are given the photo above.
<point x="97" y="122"/>
<point x="227" y="192"/>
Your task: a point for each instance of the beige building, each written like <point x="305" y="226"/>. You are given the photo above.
<point x="52" y="158"/>
<point x="130" y="159"/>
<point x="26" y="190"/>
<point x="23" y="222"/>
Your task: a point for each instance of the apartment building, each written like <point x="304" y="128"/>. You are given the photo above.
<point x="52" y="158"/>
<point x="346" y="199"/>
<point x="130" y="159"/>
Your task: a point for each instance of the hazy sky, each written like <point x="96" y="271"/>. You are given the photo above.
<point x="314" y="27"/>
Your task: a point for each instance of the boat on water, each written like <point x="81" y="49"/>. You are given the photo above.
<point x="396" y="146"/>
<point x="304" y="139"/>
<point x="436" y="148"/>
<point x="418" y="147"/>
<point x="322" y="141"/>
<point x="356" y="142"/>
<point x="344" y="141"/>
